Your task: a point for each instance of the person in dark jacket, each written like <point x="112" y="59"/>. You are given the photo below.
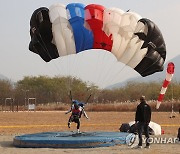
<point x="142" y="120"/>
<point x="178" y="136"/>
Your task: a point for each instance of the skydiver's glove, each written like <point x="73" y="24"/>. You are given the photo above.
<point x="87" y="118"/>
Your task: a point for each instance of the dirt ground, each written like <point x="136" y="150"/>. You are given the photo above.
<point x="17" y="123"/>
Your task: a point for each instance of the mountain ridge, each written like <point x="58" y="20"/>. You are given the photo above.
<point x="2" y="77"/>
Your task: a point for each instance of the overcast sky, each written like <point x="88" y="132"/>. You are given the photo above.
<point x="16" y="61"/>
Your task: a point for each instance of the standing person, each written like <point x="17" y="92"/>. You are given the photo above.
<point x="77" y="111"/>
<point x="178" y="136"/>
<point x="142" y="120"/>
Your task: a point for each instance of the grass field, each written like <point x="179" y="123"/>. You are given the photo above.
<point x="31" y="122"/>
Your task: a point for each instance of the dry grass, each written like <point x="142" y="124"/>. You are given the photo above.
<point x="120" y="107"/>
<point x="131" y="106"/>
<point x="31" y="122"/>
<point x="107" y="107"/>
<point x="103" y="117"/>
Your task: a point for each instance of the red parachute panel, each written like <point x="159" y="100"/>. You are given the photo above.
<point x="94" y="17"/>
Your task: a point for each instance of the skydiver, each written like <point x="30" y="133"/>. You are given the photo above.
<point x="77" y="110"/>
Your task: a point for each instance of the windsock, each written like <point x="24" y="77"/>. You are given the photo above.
<point x="169" y="75"/>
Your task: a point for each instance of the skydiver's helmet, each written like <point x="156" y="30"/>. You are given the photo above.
<point x="76" y="104"/>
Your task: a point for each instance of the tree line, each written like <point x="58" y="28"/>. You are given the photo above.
<point x="57" y="89"/>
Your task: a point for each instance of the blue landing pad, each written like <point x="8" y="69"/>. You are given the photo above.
<point x="72" y="140"/>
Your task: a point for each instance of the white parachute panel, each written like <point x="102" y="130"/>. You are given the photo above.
<point x="62" y="30"/>
<point x="127" y="28"/>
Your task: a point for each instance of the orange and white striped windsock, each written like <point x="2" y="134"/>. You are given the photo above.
<point x="169" y="75"/>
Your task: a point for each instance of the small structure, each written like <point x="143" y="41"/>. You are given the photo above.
<point x="31" y="106"/>
<point x="10" y="102"/>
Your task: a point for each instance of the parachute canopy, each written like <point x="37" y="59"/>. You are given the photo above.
<point x="63" y="30"/>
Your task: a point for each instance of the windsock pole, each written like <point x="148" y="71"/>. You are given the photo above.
<point x="169" y="75"/>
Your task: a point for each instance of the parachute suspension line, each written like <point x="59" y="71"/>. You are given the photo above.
<point x="96" y="68"/>
<point x="101" y="75"/>
<point x="110" y="80"/>
<point x="104" y="53"/>
<point x="83" y="62"/>
<point x="70" y="75"/>
<point x="107" y="74"/>
<point x="70" y="95"/>
<point x="122" y="70"/>
<point x="45" y="49"/>
<point x="38" y="52"/>
<point x="116" y="76"/>
<point x="86" y="102"/>
<point x="72" y="70"/>
<point x="55" y="64"/>
<point x="67" y="73"/>
<point x="47" y="52"/>
<point x="76" y="70"/>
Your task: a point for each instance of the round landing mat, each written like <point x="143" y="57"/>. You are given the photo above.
<point x="72" y="139"/>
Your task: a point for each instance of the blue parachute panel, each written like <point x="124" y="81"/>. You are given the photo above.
<point x="83" y="37"/>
